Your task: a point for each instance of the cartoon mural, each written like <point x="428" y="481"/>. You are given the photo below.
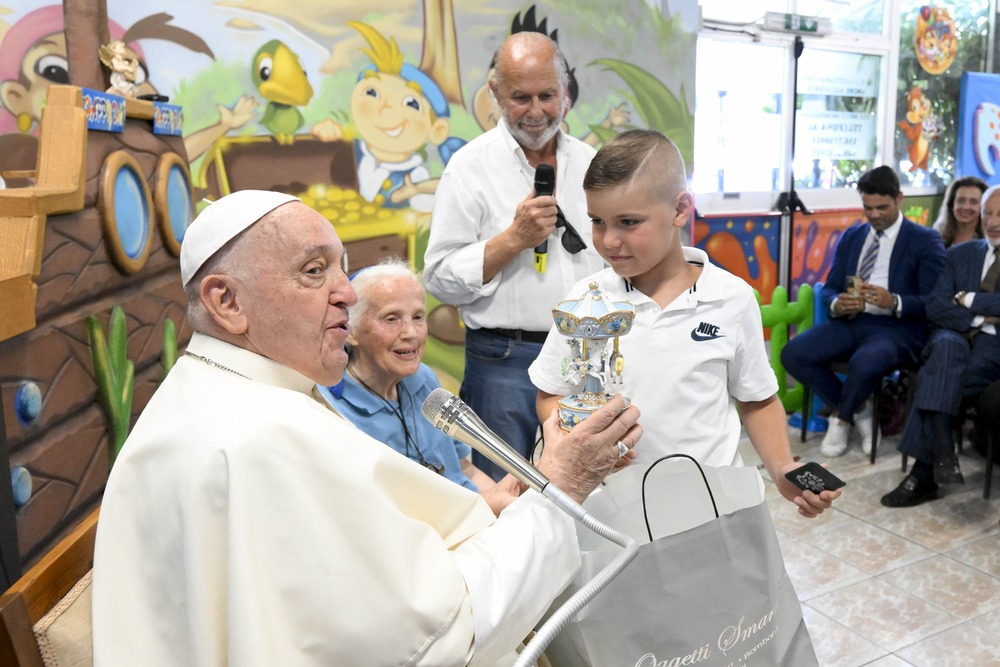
<point x="271" y="97"/>
<point x="934" y="40"/>
<point x="920" y="127"/>
<point x="33" y="57"/>
<point x="745" y="245"/>
<point x="937" y="43"/>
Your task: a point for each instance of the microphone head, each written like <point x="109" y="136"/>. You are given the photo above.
<point x="434" y="404"/>
<point x="545" y="179"/>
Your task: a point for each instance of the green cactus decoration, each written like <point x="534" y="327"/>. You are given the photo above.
<point x="114" y="374"/>
<point x="169" y="355"/>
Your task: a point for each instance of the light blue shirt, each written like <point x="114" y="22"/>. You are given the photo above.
<point x="373" y="415"/>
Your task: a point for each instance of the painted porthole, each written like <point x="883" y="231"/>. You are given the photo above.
<point x="173" y="200"/>
<point x="126" y="212"/>
<point x="27" y="402"/>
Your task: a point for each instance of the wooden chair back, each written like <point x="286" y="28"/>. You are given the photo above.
<point x="39" y="590"/>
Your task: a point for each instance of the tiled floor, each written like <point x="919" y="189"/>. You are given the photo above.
<point x="888" y="587"/>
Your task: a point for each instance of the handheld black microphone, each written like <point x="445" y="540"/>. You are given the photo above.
<point x="450" y="414"/>
<point x="545" y="185"/>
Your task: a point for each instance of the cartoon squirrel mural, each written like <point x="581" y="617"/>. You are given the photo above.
<point x="918" y="110"/>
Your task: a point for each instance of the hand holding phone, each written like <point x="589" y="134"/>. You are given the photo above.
<point x="814" y="477"/>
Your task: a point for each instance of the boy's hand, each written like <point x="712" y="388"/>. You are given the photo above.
<point x="810" y="504"/>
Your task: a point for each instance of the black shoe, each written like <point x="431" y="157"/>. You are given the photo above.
<point x="946" y="471"/>
<point x="910" y="492"/>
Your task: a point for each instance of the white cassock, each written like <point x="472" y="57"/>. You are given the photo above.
<point x="247" y="524"/>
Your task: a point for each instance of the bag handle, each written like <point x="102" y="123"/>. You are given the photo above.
<point x="711" y="496"/>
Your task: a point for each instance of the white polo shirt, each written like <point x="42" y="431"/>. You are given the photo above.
<point x="683" y="364"/>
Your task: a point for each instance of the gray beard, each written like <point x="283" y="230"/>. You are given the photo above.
<point x="531" y="141"/>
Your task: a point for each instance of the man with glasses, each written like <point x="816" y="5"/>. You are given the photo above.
<point x="488" y="223"/>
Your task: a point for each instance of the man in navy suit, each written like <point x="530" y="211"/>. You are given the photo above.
<point x="879" y="322"/>
<point x="963" y="358"/>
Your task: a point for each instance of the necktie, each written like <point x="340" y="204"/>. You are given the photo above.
<point x="989" y="283"/>
<point x="868" y="261"/>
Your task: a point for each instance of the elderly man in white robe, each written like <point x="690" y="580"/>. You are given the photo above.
<point x="246" y="523"/>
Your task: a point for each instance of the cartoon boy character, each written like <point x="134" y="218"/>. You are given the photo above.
<point x="397" y="110"/>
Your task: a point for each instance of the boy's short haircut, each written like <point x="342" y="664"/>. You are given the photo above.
<point x="879" y="181"/>
<point x="627" y="154"/>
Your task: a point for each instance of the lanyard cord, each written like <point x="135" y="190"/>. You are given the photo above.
<point x="408" y="438"/>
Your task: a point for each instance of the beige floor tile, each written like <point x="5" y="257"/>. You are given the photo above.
<point x="814" y="572"/>
<point x="888" y="616"/>
<point x="889" y="661"/>
<point x="990" y="621"/>
<point x="983" y="554"/>
<point x="867" y="547"/>
<point x="835" y="645"/>
<point x="955" y="587"/>
<point x="957" y="518"/>
<point x="962" y="646"/>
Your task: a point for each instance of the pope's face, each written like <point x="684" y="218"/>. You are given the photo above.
<point x="294" y="292"/>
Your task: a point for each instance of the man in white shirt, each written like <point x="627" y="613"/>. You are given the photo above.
<point x="876" y="325"/>
<point x="247" y="523"/>
<point x="963" y="358"/>
<point x="488" y="220"/>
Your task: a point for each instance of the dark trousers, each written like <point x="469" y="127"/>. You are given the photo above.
<point x="954" y="367"/>
<point x="497" y="388"/>
<point x="872" y="345"/>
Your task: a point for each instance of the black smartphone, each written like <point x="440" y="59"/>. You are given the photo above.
<point x="814" y="477"/>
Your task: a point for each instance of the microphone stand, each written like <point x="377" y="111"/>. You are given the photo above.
<point x="789" y="202"/>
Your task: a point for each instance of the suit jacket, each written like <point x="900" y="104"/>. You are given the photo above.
<point x="962" y="272"/>
<point x="916" y="262"/>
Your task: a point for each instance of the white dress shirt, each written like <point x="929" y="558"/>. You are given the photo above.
<point x="476" y="200"/>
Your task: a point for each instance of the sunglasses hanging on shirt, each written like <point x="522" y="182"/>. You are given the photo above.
<point x="571" y="240"/>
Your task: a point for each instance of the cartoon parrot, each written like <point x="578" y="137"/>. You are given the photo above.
<point x="279" y="77"/>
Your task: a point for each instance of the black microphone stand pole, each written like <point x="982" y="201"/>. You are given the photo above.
<point x="789" y="202"/>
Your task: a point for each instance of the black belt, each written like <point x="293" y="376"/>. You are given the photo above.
<point x="519" y="334"/>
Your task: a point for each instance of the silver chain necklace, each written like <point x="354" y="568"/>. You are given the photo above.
<point x="216" y="364"/>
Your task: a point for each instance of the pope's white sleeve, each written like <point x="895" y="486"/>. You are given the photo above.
<point x="513" y="571"/>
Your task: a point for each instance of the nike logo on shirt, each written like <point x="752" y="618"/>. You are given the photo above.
<point x="705" y="331"/>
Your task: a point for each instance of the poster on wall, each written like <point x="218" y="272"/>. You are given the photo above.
<point x="978" y="150"/>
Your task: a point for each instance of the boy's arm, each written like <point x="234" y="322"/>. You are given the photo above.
<point x="545" y="403"/>
<point x="765" y="424"/>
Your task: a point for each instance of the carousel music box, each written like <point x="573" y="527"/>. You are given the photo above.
<point x="590" y="322"/>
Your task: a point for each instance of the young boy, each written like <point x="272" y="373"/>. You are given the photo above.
<point x="696" y="345"/>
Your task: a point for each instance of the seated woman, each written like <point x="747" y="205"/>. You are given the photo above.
<point x="959" y="218"/>
<point x="385" y="383"/>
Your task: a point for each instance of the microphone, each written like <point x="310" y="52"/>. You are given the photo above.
<point x="545" y="185"/>
<point x="450" y="414"/>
